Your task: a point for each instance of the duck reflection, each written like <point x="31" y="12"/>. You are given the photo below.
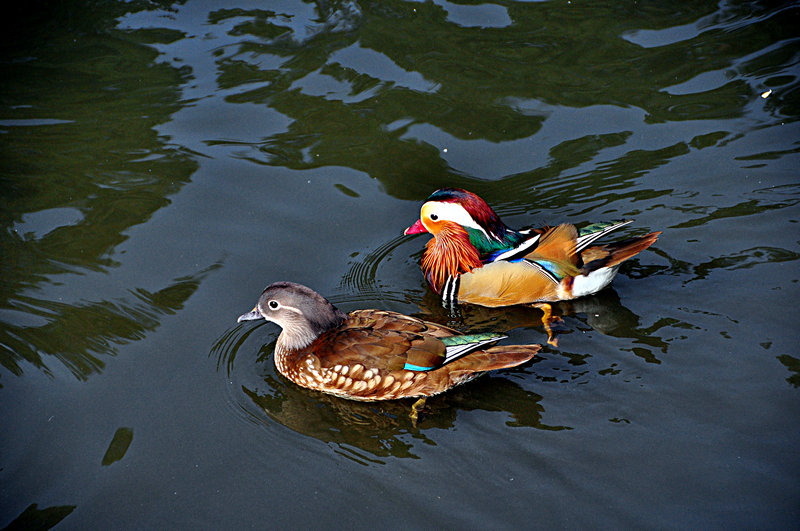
<point x="603" y="311"/>
<point x="364" y="431"/>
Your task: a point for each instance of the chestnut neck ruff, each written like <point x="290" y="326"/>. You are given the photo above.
<point x="449" y="254"/>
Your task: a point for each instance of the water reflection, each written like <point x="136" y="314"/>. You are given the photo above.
<point x="555" y="112"/>
<point x="79" y="335"/>
<point x="366" y="432"/>
<point x="80" y="167"/>
<point x="383" y="429"/>
<point x="758" y="200"/>
<point x="385" y="106"/>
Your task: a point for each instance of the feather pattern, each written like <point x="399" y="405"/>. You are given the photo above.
<point x="449" y="255"/>
<point x="475" y="258"/>
<point x="375" y="354"/>
<point x="588" y="235"/>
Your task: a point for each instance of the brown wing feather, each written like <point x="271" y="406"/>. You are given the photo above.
<point x="500" y="357"/>
<point x="374" y="349"/>
<point x="382" y="341"/>
<point x="387" y="320"/>
<point x="558" y="245"/>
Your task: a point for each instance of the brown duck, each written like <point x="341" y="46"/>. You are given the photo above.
<point x="374" y="354"/>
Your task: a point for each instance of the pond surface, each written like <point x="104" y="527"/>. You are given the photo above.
<point x="162" y="162"/>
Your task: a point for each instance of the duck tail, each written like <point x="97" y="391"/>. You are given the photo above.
<point x="613" y="254"/>
<point x="500" y="357"/>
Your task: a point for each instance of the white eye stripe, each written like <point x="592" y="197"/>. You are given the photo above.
<point x="292" y="309"/>
<point x="453" y="212"/>
<point x="274" y="305"/>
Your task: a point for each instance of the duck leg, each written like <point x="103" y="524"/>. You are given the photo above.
<point x="415" y="409"/>
<point x="548" y="318"/>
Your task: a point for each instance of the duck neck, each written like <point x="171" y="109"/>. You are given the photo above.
<point x="300" y="330"/>
<point x="449" y="254"/>
<point x="290" y="351"/>
<point x="294" y="340"/>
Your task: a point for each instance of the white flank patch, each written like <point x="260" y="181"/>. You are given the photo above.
<point x="593" y="282"/>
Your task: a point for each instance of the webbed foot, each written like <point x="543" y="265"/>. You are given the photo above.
<point x="547" y="319"/>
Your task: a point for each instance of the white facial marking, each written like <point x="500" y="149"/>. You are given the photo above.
<point x="450" y="212"/>
<point x="279" y="306"/>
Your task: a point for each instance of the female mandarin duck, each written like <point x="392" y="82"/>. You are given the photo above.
<point x="373" y="354"/>
<point x="475" y="258"/>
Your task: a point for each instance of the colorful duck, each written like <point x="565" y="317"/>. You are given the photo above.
<point x="475" y="258"/>
<point x="374" y="354"/>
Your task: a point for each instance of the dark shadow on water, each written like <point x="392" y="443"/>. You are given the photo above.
<point x="118" y="447"/>
<point x="792" y="364"/>
<point x="33" y="518"/>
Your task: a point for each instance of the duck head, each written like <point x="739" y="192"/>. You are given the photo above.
<point x="456" y="205"/>
<point x="301" y="312"/>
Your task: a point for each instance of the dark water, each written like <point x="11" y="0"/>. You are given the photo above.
<point x="161" y="163"/>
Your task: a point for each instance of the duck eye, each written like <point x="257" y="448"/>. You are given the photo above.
<point x="434" y="217"/>
<point x="273" y="305"/>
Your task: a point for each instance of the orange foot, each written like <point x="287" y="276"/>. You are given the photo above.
<point x="547" y="319"/>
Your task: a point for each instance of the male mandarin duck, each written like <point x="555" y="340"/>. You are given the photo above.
<point x="374" y="354"/>
<point x="475" y="258"/>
